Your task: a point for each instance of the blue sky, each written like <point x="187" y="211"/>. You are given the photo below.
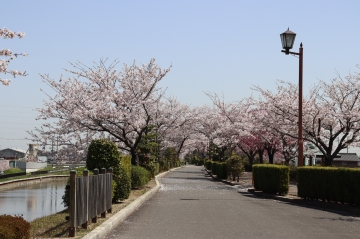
<point x="215" y="46"/>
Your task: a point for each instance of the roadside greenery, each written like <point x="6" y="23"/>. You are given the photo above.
<point x="235" y="168"/>
<point x="329" y="184"/>
<point x="271" y="178"/>
<point x="139" y="176"/>
<point x="103" y="153"/>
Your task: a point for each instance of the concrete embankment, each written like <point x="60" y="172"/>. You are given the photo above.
<point x="25" y="181"/>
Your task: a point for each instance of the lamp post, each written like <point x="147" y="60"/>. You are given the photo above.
<point x="287" y="41"/>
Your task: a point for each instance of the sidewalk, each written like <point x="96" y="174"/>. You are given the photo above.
<point x="245" y="185"/>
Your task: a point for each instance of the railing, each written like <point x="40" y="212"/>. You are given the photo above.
<point x="89" y="196"/>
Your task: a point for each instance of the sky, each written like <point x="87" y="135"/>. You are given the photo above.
<point x="224" y="47"/>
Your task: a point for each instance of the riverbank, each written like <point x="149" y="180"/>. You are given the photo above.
<point x="29" y="180"/>
<point x="56" y="226"/>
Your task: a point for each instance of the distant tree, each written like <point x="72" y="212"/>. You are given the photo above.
<point x="4" y="165"/>
<point x="9" y="56"/>
<point x="331" y="113"/>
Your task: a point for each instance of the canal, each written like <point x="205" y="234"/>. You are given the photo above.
<point x="33" y="200"/>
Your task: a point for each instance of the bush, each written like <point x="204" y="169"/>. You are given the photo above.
<point x="125" y="161"/>
<point x="14" y="227"/>
<point x="235" y="168"/>
<point x="329" y="184"/>
<point x="208" y="164"/>
<point x="151" y="167"/>
<point x="103" y="153"/>
<point x="163" y="165"/>
<point x="219" y="169"/>
<point x="139" y="176"/>
<point x="123" y="185"/>
<point x="271" y="178"/>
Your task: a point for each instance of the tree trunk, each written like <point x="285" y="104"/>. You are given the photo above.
<point x="261" y="156"/>
<point x="134" y="158"/>
<point x="328" y="161"/>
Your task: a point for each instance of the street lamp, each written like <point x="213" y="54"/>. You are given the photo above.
<point x="287" y="41"/>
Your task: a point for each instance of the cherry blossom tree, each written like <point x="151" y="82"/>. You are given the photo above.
<point x="9" y="56"/>
<point x="99" y="101"/>
<point x="174" y="124"/>
<point x="4" y="165"/>
<point x="331" y="113"/>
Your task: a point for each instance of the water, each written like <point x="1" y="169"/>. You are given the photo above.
<point x="33" y="200"/>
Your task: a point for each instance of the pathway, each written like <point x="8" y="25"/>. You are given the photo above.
<point x="193" y="205"/>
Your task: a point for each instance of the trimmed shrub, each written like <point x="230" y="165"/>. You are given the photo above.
<point x="139" y="177"/>
<point x="329" y="184"/>
<point x="14" y="227"/>
<point x="123" y="185"/>
<point x="157" y="168"/>
<point x="271" y="178"/>
<point x="125" y="161"/>
<point x="208" y="164"/>
<point x="219" y="169"/>
<point x="151" y="167"/>
<point x="103" y="153"/>
<point x="235" y="168"/>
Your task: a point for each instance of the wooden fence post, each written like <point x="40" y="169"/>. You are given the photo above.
<point x="72" y="206"/>
<point x="94" y="219"/>
<point x="111" y="173"/>
<point x="86" y="178"/>
<point x="103" y="171"/>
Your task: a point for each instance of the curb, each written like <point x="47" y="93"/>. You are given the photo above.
<point x="330" y="206"/>
<point x="220" y="180"/>
<point x="101" y="230"/>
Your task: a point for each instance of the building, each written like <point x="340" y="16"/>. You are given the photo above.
<point x="349" y="160"/>
<point x="12" y="153"/>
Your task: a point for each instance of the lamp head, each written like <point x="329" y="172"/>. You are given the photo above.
<point x="287" y="40"/>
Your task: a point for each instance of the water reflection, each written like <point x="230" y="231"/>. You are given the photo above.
<point x="34" y="200"/>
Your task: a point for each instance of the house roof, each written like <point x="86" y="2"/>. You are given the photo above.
<point x="347" y="157"/>
<point x="15" y="149"/>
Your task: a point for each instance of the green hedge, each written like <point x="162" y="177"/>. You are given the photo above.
<point x="125" y="161"/>
<point x="219" y="169"/>
<point x="139" y="176"/>
<point x="329" y="184"/>
<point x="208" y="164"/>
<point x="271" y="178"/>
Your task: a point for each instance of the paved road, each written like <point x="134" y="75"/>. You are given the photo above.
<point x="191" y="205"/>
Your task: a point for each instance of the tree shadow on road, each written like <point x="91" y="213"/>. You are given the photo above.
<point x="341" y="209"/>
